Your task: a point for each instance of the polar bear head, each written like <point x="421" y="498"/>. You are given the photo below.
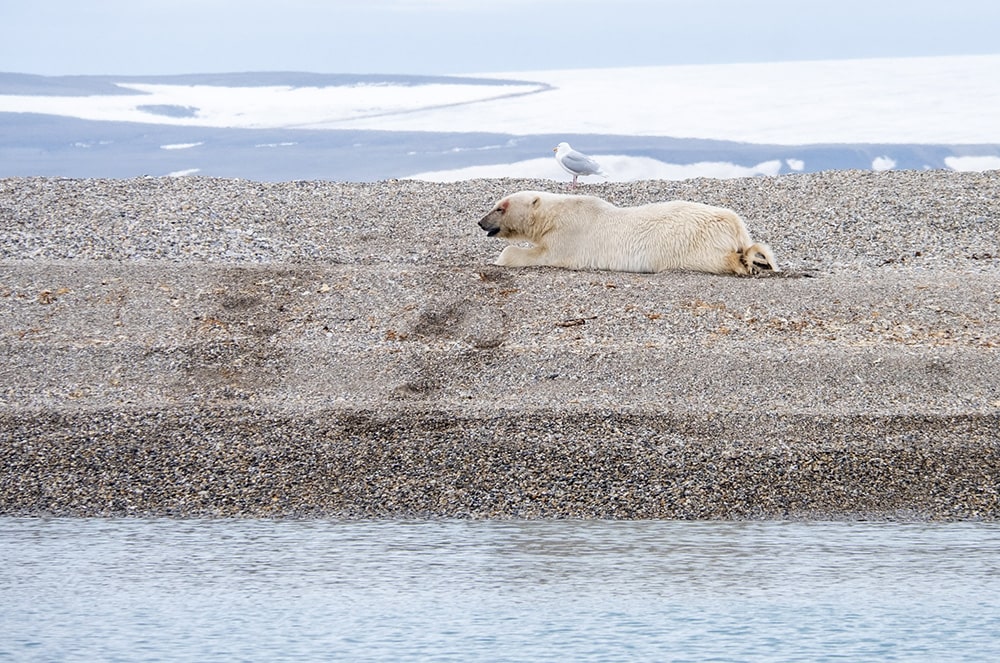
<point x="519" y="215"/>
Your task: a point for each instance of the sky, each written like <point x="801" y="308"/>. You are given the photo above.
<point x="145" y="37"/>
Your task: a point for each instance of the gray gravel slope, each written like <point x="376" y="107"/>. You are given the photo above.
<point x="223" y="347"/>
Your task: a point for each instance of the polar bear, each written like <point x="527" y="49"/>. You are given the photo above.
<point x="586" y="232"/>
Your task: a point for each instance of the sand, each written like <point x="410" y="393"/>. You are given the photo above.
<point x="194" y="347"/>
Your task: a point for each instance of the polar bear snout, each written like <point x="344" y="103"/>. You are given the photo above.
<point x="491" y="223"/>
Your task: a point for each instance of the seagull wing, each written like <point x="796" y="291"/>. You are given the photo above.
<point x="579" y="163"/>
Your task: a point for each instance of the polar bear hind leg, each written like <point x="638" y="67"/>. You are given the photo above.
<point x="758" y="257"/>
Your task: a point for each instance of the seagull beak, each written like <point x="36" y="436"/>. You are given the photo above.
<point x="555" y="149"/>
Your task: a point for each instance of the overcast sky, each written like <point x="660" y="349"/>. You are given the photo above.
<point x="55" y="37"/>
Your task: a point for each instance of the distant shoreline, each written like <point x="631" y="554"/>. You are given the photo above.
<point x="659" y="122"/>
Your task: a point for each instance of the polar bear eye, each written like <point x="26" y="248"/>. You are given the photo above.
<point x="500" y="209"/>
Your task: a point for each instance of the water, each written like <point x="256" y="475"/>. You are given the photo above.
<point x="246" y="590"/>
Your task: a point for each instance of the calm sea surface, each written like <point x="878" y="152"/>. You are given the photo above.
<point x="249" y="590"/>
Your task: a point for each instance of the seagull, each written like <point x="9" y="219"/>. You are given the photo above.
<point x="576" y="163"/>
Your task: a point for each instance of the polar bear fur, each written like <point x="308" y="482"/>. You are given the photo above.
<point x="586" y="232"/>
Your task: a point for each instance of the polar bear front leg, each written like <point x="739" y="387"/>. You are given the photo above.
<point x="519" y="256"/>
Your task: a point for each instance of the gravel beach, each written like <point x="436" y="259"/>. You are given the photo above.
<point x="196" y="347"/>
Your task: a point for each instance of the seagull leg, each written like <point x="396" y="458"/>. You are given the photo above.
<point x="574" y="181"/>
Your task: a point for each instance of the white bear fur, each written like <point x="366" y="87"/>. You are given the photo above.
<point x="586" y="232"/>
